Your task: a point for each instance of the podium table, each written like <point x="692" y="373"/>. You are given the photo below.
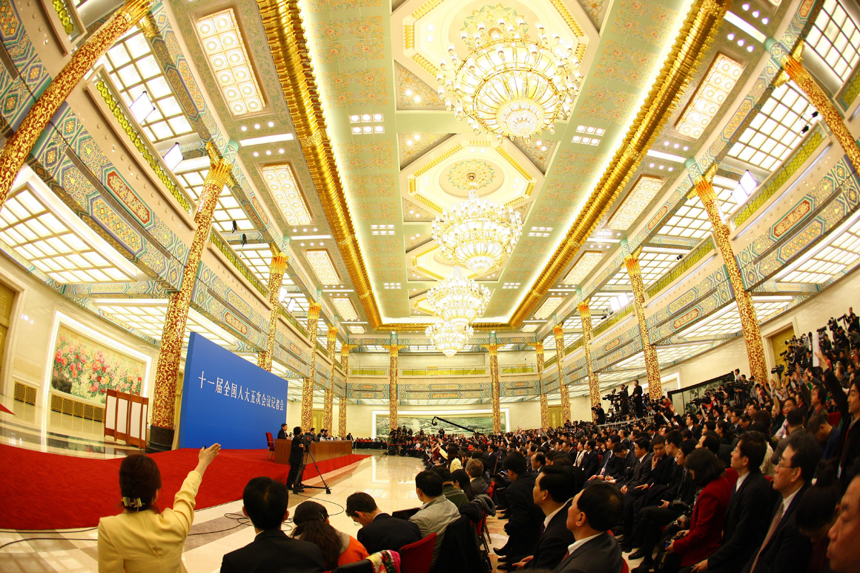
<point x="321" y="450"/>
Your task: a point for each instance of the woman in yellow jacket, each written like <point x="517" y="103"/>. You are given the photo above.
<point x="142" y="538"/>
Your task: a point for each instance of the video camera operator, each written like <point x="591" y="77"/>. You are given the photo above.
<point x="599" y="414"/>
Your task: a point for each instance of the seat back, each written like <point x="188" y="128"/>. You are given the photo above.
<point x="625" y="568"/>
<point x="491" y="489"/>
<point x="271" y="441"/>
<point x="416" y="557"/>
<point x="833" y="419"/>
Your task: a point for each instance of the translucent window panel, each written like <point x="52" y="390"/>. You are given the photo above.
<point x="29" y="228"/>
<point x="691" y="220"/>
<point x="836" y="38"/>
<point x="148" y="318"/>
<point x="664" y="354"/>
<point x="569" y="338"/>
<point x="226" y="211"/>
<point x="775" y="130"/>
<point x="653" y="265"/>
<point x="727" y="321"/>
<point x="133" y="69"/>
<point x="837" y="256"/>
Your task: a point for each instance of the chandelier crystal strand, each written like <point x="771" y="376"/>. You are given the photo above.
<point x="476" y="234"/>
<point x="510" y="84"/>
<point x="458" y="300"/>
<point x="449" y="338"/>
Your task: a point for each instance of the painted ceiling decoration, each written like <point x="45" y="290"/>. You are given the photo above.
<point x="349" y="156"/>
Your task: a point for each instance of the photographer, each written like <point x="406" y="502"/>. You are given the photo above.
<point x="297" y="450"/>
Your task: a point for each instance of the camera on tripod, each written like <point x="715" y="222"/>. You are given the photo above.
<point x="779" y="369"/>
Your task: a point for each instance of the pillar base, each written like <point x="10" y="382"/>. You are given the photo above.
<point x="160" y="440"/>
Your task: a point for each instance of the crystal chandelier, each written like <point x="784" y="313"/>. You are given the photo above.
<point x="449" y="338"/>
<point x="458" y="300"/>
<point x="476" y="234"/>
<point x="509" y="84"/>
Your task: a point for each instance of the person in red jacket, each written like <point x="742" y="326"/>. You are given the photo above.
<point x="709" y="513"/>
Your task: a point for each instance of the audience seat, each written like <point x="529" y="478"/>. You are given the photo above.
<point x="625" y="568"/>
<point x="833" y="418"/>
<point x="416" y="557"/>
<point x="459" y="550"/>
<point x="271" y="442"/>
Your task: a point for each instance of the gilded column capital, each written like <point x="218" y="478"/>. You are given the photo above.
<point x="314" y="311"/>
<point x="632" y="264"/>
<point x="558" y="330"/>
<point x="538" y="348"/>
<point x="584" y="309"/>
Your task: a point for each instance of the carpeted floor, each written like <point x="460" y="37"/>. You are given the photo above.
<point x="6" y="410"/>
<point x="50" y="491"/>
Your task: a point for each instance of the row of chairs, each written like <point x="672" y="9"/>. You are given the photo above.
<point x="414" y="558"/>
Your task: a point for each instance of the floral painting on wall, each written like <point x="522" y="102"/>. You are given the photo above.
<point x="88" y="369"/>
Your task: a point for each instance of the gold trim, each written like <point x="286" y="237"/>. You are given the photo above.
<point x="428" y="203"/>
<point x="425" y="63"/>
<point x="690" y="46"/>
<point x="569" y="20"/>
<point x="437" y="160"/>
<point x="426" y="8"/>
<point x="409" y="36"/>
<point x="285" y="34"/>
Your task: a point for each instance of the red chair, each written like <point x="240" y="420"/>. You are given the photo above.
<point x="833" y="418"/>
<point x="271" y="441"/>
<point x="416" y="557"/>
<point x="625" y="568"/>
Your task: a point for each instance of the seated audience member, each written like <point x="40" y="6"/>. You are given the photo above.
<point x="593" y="512"/>
<point x="454" y="495"/>
<point x="141" y="538"/>
<point x="475" y="469"/>
<point x="849" y="408"/>
<point x="462" y="483"/>
<point x="379" y="531"/>
<point x="553" y="493"/>
<point x="265" y="503"/>
<point x="709" y="512"/>
<point x="673" y="503"/>
<point x="338" y="548"/>
<point x="639" y="468"/>
<point x="525" y="518"/>
<point x="793" y="423"/>
<point x="827" y="436"/>
<point x="538" y="461"/>
<point x="844" y="550"/>
<point x="817" y="512"/>
<point x="749" y="509"/>
<point x="436" y="512"/>
<point x="591" y="459"/>
<point x="784" y="549"/>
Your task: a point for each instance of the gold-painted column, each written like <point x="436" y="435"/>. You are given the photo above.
<point x="593" y="382"/>
<point x="308" y="385"/>
<point x="170" y="354"/>
<point x="341" y="412"/>
<point x="746" y="309"/>
<point x="544" y="406"/>
<point x="328" y="411"/>
<point x="276" y="279"/>
<point x="563" y="390"/>
<point x="792" y="65"/>
<point x="652" y="366"/>
<point x="495" y="388"/>
<point x="393" y="352"/>
<point x="18" y="147"/>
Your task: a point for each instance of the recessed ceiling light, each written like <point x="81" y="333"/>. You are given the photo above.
<point x="256" y="154"/>
<point x="256" y="126"/>
<point x="244" y="128"/>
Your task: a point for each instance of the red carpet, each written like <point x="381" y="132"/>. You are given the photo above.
<point x="51" y="491"/>
<point x="6" y="410"/>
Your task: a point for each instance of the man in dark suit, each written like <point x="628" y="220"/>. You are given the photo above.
<point x="591" y="460"/>
<point x="749" y="508"/>
<point x="475" y="469"/>
<point x="594" y="511"/>
<point x="554" y="488"/>
<point x="637" y="399"/>
<point x="525" y="518"/>
<point x="785" y="549"/>
<point x="493" y="460"/>
<point x="265" y="503"/>
<point x="379" y="530"/>
<point x="282" y="433"/>
<point x="639" y="469"/>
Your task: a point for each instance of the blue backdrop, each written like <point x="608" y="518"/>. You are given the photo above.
<point x="228" y="400"/>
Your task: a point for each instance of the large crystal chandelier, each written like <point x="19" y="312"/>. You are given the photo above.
<point x="449" y="338"/>
<point x="458" y="300"/>
<point x="476" y="234"/>
<point x="509" y="84"/>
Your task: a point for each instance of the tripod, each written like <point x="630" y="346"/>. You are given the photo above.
<point x="297" y="485"/>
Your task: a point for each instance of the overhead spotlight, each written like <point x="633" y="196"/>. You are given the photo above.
<point x="244" y="239"/>
<point x="805" y="129"/>
<point x="679" y="257"/>
<point x="235" y="226"/>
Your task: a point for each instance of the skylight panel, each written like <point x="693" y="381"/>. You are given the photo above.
<point x="227" y="210"/>
<point x="586" y="263"/>
<point x="345" y="308"/>
<point x="548" y="307"/>
<point x="775" y="130"/>
<point x="838" y="255"/>
<point x="323" y="266"/>
<point x="835" y="37"/>
<point x="28" y="227"/>
<point x="711" y="94"/>
<point x="282" y="185"/>
<point x="727" y="321"/>
<point x="225" y="49"/>
<point x="636" y="201"/>
<point x="133" y="70"/>
<point x="147" y="317"/>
